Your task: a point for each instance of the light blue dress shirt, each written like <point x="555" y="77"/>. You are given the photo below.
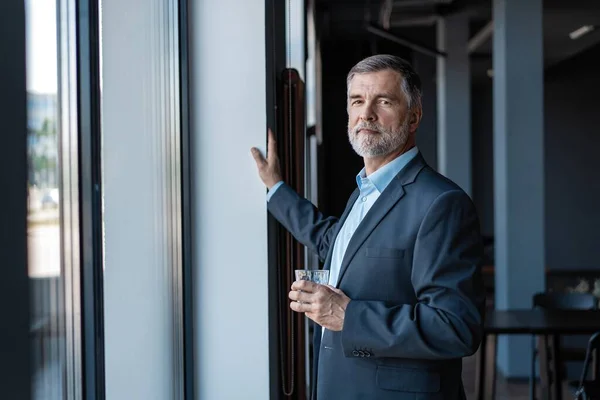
<point x="370" y="188"/>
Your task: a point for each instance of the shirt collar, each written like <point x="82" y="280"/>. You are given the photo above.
<point x="384" y="175"/>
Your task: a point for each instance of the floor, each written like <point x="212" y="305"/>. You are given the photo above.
<point x="504" y="389"/>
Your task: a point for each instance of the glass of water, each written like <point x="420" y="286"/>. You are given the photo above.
<point x="320" y="276"/>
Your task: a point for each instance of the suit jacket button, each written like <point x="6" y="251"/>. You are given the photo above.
<point x="367" y="353"/>
<point x="355" y="353"/>
<point x="362" y="353"/>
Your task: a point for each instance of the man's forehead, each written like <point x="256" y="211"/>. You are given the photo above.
<point x="381" y="80"/>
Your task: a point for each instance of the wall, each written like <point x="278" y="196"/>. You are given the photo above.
<point x="482" y="130"/>
<point x="425" y="66"/>
<point x="572" y="145"/>
<point x="572" y="142"/>
<point x="229" y="207"/>
<point x="340" y="163"/>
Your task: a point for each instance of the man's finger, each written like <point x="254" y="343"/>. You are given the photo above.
<point x="305" y="286"/>
<point x="258" y="157"/>
<point x="271" y="146"/>
<point x="300" y="307"/>
<point x="302" y="297"/>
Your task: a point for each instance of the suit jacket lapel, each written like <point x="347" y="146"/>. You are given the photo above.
<point x="349" y="206"/>
<point x="386" y="201"/>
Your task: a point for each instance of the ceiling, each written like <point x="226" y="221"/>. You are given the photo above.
<point x="415" y="20"/>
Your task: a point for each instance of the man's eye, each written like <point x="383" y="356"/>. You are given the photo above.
<point x="356" y="102"/>
<point x="385" y="102"/>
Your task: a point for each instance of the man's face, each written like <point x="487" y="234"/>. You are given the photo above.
<point x="378" y="116"/>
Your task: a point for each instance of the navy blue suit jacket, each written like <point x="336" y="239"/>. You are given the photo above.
<point x="412" y="272"/>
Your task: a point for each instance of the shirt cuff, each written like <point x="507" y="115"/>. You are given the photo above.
<point x="273" y="190"/>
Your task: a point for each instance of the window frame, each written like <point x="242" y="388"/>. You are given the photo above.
<point x="189" y="389"/>
<point x="90" y="198"/>
<point x="14" y="285"/>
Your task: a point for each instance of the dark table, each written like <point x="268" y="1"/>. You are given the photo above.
<point x="548" y="324"/>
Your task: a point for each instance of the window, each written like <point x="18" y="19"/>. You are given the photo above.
<point x="52" y="221"/>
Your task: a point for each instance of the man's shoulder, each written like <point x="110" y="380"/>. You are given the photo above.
<point x="430" y="184"/>
<point x="428" y="178"/>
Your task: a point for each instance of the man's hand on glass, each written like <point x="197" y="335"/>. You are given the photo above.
<point x="324" y="304"/>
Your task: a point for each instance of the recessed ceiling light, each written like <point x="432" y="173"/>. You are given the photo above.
<point x="579" y="32"/>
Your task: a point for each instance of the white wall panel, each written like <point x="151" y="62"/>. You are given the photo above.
<point x="230" y="221"/>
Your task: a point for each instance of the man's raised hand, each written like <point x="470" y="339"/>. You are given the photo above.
<point x="268" y="169"/>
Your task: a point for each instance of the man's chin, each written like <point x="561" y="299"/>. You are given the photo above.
<point x="369" y="153"/>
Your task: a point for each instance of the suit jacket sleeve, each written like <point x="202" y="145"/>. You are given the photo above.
<point x="446" y="321"/>
<point x="303" y="220"/>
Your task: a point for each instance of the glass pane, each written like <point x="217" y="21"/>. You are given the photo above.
<point x="295" y="36"/>
<point x="141" y="188"/>
<point x="44" y="219"/>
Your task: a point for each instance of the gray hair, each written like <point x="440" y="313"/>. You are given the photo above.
<point x="411" y="83"/>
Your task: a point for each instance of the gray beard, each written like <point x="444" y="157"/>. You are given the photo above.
<point x="376" y="145"/>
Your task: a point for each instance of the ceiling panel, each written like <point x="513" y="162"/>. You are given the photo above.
<point x="346" y="18"/>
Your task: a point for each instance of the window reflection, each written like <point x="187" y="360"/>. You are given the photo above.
<point x="44" y="226"/>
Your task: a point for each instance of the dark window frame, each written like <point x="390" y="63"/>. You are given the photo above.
<point x="186" y="204"/>
<point x="275" y="41"/>
<point x="90" y="198"/>
<point x="14" y="285"/>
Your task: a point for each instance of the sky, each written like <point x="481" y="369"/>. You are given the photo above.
<point x="42" y="52"/>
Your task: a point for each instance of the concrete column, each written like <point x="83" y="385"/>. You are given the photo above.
<point x="518" y="166"/>
<point x="454" y="100"/>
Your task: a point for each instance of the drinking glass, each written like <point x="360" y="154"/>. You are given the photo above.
<point x="320" y="276"/>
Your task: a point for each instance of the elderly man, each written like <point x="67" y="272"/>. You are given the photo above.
<point x="405" y="297"/>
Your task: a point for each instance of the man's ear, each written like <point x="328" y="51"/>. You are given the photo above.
<point x="415" y="118"/>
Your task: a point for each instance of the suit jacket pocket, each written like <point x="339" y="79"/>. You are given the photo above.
<point x="384" y="252"/>
<point x="408" y="380"/>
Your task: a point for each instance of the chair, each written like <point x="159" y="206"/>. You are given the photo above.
<point x="557" y="301"/>
<point x="586" y="389"/>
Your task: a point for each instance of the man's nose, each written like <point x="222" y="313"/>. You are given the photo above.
<point x="367" y="114"/>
